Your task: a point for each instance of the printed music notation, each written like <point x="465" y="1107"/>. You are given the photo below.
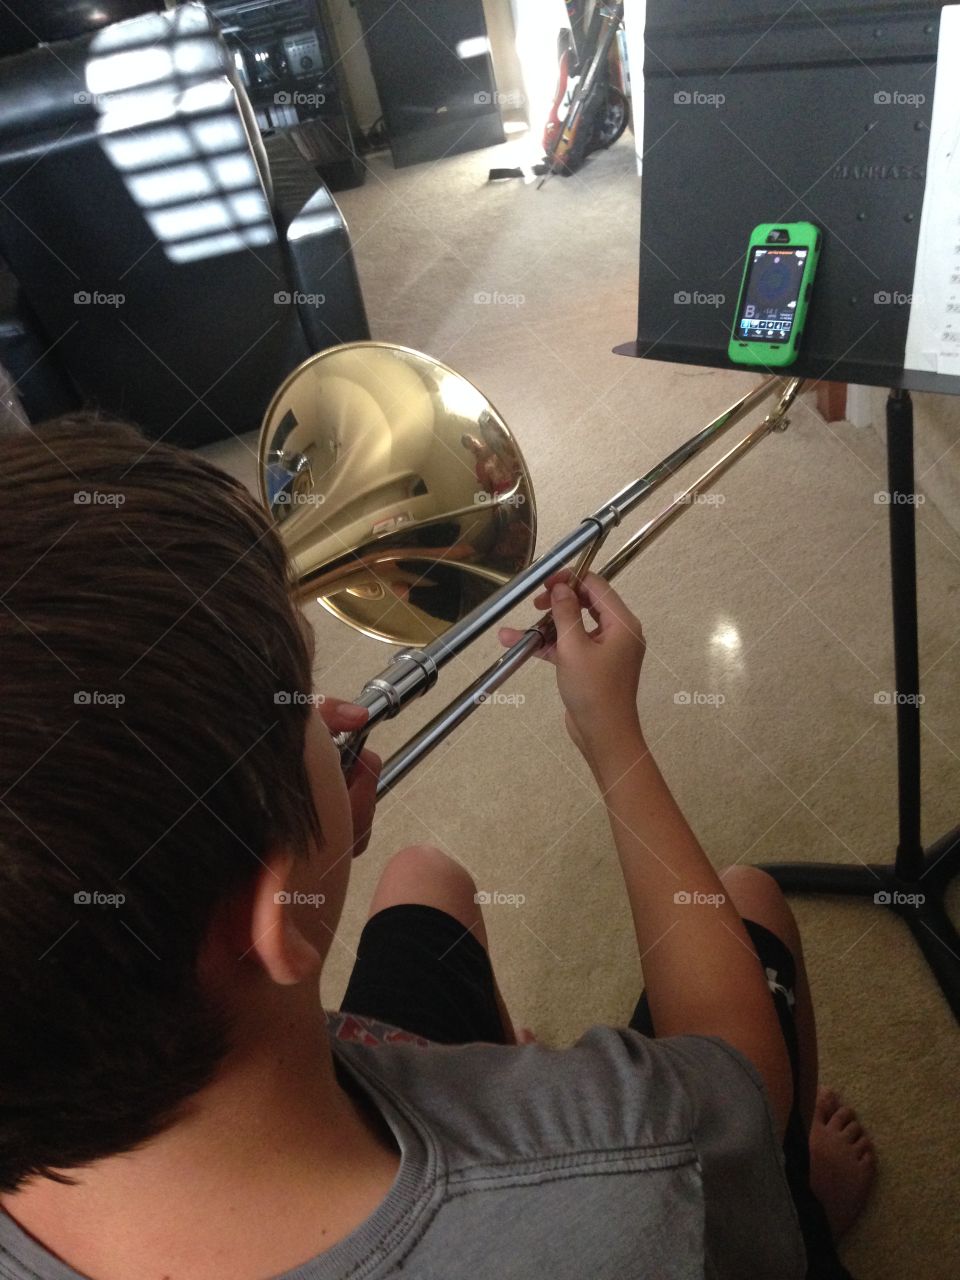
<point x="933" y="333"/>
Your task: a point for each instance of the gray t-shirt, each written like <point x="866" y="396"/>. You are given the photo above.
<point x="620" y="1158"/>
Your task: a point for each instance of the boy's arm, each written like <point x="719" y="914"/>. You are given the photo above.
<point x="701" y="973"/>
<point x="700" y="969"/>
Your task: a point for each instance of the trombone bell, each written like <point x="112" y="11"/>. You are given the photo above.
<point x="401" y="494"/>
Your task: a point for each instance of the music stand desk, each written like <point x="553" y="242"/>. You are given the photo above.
<point x="756" y="113"/>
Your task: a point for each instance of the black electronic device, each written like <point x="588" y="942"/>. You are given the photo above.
<point x="286" y="57"/>
<point x="774" y="294"/>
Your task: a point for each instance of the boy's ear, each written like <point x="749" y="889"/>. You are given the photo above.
<point x="267" y="929"/>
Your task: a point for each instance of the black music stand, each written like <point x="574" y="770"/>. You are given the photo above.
<point x="758" y="111"/>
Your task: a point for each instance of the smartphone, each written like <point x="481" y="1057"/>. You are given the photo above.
<point x="774" y="293"/>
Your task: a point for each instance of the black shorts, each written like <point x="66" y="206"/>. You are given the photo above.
<point x="419" y="969"/>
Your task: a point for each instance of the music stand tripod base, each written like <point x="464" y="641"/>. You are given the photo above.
<point x="915" y="884"/>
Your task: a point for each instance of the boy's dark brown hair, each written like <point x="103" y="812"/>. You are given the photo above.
<point x="146" y="767"/>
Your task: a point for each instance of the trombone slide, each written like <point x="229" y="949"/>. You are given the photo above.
<point x="463" y="706"/>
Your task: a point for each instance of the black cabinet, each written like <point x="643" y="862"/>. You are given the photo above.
<point x="431" y="64"/>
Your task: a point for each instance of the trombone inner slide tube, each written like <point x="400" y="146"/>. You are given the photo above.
<point x="413" y="671"/>
<point x="453" y="715"/>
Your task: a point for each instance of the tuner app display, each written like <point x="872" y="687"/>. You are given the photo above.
<point x="770" y="298"/>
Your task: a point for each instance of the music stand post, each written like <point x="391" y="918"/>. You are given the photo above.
<point x="915" y="884"/>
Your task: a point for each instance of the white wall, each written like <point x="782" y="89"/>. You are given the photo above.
<point x="354" y="63"/>
<point x="634" y="17"/>
<point x="506" y="64"/>
<point x="536" y="26"/>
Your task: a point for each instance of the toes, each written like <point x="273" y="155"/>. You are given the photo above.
<point x="853" y="1131"/>
<point x="868" y="1164"/>
<point x="842" y="1117"/>
<point x="827" y="1102"/>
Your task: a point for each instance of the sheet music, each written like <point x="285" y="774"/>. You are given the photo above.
<point x="933" y="333"/>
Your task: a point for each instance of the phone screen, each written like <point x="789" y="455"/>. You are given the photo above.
<point x="769" y="303"/>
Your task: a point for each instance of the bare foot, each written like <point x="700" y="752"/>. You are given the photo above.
<point x="526" y="1036"/>
<point x="843" y="1162"/>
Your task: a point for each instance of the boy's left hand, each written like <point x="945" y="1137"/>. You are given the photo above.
<point x="340" y="716"/>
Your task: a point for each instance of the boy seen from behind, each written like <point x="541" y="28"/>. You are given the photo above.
<point x="176" y="837"/>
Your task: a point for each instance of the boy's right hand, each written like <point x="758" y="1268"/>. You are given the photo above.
<point x="597" y="671"/>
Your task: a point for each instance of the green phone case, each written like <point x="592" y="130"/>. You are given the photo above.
<point x="772" y="355"/>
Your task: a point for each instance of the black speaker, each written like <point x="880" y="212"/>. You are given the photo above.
<point x="431" y="63"/>
<point x="26" y="23"/>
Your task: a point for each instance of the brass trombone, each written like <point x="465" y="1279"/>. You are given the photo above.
<point x="408" y="512"/>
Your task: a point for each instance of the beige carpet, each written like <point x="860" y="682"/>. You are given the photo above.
<point x="777" y="599"/>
